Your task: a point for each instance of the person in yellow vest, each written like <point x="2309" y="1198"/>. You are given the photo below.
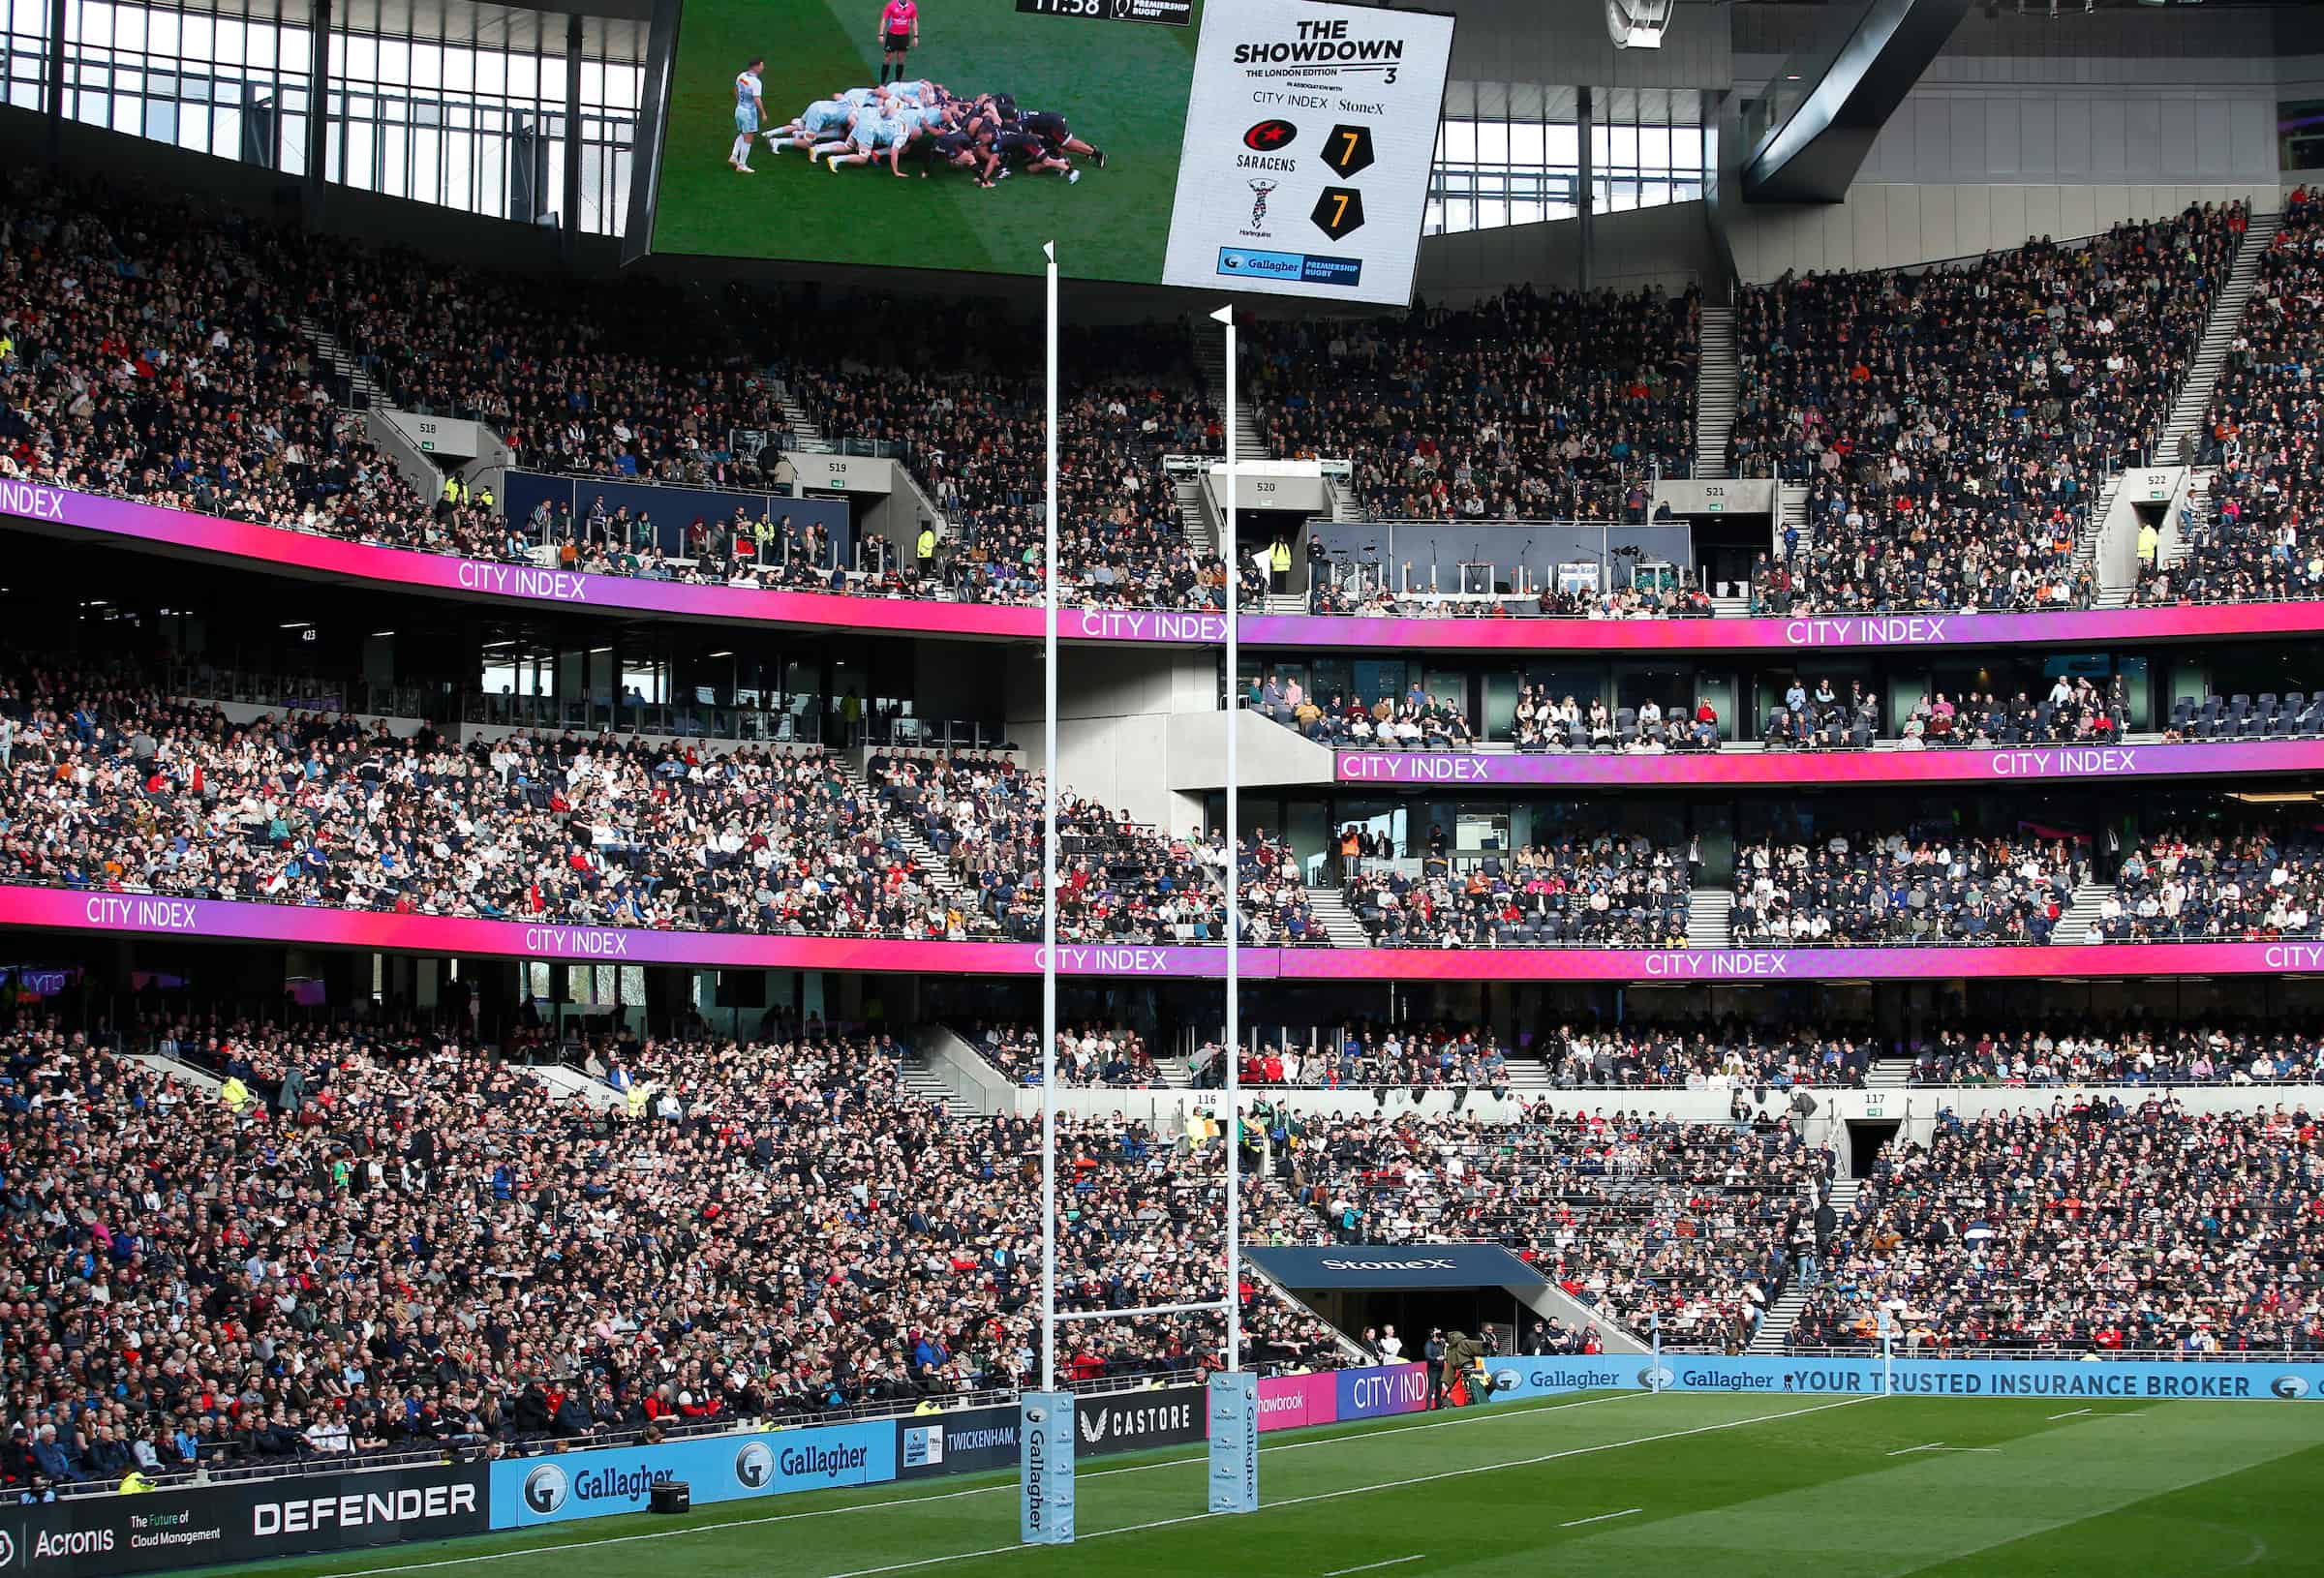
<point x="1278" y="564"/>
<point x="2150" y="542"/>
<point x="449" y="499"/>
<point x="234" y="1093"/>
<point x="135" y="1483"/>
<point x="484" y="496"/>
<point x="924" y="550"/>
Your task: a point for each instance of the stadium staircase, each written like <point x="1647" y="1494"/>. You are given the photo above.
<point x="1194" y="520"/>
<point x="806" y="438"/>
<point x="1210" y="356"/>
<point x="2093" y="529"/>
<point x="2178" y="435"/>
<point x="1710" y="918"/>
<point x="2075" y="923"/>
<point x="1339" y="922"/>
<point x="352" y="384"/>
<point x="179" y="1068"/>
<point x="932" y="866"/>
<point x="1791" y="509"/>
<point x="921" y="1078"/>
<point x="1774" y="1330"/>
<point x="570" y="1084"/>
<point x="1888" y="1074"/>
<point x="1718" y="380"/>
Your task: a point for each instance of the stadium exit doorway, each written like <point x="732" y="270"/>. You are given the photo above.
<point x="1865" y="1137"/>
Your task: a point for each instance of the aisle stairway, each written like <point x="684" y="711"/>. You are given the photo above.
<point x="1888" y="1074"/>
<point x="1775" y="1326"/>
<point x="922" y="1080"/>
<point x="1791" y="509"/>
<point x="353" y="387"/>
<point x="1339" y="922"/>
<point x="2075" y="921"/>
<point x="1210" y="357"/>
<point x="806" y="438"/>
<point x="1717" y="383"/>
<point x="1194" y="520"/>
<point x="1710" y="918"/>
<point x="2177" y="445"/>
<point x="932" y="866"/>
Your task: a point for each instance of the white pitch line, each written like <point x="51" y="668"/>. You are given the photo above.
<point x="1366" y="1490"/>
<point x="2072" y="1413"/>
<point x="1601" y="1518"/>
<point x="1464" y="1418"/>
<point x="1939" y="1446"/>
<point x="1375" y="1567"/>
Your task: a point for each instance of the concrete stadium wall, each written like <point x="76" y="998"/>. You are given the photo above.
<point x="1115" y="707"/>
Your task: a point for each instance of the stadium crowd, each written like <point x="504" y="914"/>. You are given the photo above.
<point x="1645" y="1055"/>
<point x="1840" y="890"/>
<point x="2098" y="1225"/>
<point x="1953" y="425"/>
<point x="1090" y="1054"/>
<point x="2254" y="884"/>
<point x="109" y="783"/>
<point x="2257" y="533"/>
<point x="1601" y="891"/>
<point x="2072" y="1053"/>
<point x="1528" y="407"/>
<point x="1637" y="1216"/>
<point x="374" y="1241"/>
<point x="1118" y="880"/>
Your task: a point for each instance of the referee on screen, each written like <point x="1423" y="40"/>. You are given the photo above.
<point x="898" y="31"/>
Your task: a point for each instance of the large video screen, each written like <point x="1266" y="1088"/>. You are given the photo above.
<point x="1278" y="146"/>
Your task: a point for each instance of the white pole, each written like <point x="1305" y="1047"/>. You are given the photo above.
<point x="1048" y="870"/>
<point x="1226" y="315"/>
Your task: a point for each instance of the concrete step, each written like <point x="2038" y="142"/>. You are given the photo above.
<point x="1710" y="918"/>
<point x="1339" y="922"/>
<point x="923" y="1081"/>
<point x="2181" y="432"/>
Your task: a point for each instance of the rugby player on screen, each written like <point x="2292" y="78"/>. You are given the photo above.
<point x="898" y="31"/>
<point x="1051" y="128"/>
<point x="748" y="112"/>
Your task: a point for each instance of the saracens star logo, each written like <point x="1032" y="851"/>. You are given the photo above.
<point x="1270" y="135"/>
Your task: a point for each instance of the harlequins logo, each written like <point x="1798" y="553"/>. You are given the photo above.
<point x="1259" y="193"/>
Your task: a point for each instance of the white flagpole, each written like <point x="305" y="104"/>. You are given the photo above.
<point x="1234" y="556"/>
<point x="1049" y="872"/>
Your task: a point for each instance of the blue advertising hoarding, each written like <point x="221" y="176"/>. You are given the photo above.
<point x="2150" y="1380"/>
<point x="531" y="1491"/>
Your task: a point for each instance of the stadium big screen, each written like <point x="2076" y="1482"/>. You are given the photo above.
<point x="1265" y="145"/>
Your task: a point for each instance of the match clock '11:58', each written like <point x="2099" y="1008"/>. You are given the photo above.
<point x="1167" y="12"/>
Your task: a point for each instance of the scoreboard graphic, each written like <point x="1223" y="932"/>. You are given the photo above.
<point x="1280" y="147"/>
<point x="1309" y="135"/>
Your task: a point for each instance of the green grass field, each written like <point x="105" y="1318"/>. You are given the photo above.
<point x="1123" y="86"/>
<point x="1621" y="1485"/>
